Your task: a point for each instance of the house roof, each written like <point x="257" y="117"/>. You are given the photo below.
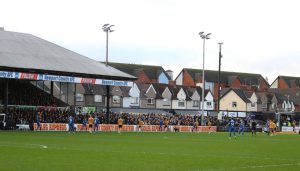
<point x="294" y="95"/>
<point x="143" y="88"/>
<point x="289" y="80"/>
<point x="27" y="53"/>
<point x="238" y="92"/>
<point x="227" y="77"/>
<point x="133" y="69"/>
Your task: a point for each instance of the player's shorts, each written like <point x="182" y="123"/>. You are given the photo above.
<point x="90" y="126"/>
<point x="120" y="126"/>
<point x="166" y="126"/>
<point x="140" y="126"/>
<point x="38" y="124"/>
<point x="231" y="129"/>
<point x="253" y="128"/>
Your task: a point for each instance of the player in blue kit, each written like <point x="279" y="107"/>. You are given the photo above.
<point x="96" y="123"/>
<point x="231" y="128"/>
<point x="71" y="124"/>
<point x="161" y="122"/>
<point x="84" y="124"/>
<point x="38" y="122"/>
<point x="241" y="127"/>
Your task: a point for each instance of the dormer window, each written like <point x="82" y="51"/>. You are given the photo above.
<point x="150" y="101"/>
<point x="234" y="104"/>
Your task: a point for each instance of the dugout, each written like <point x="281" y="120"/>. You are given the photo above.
<point x="29" y="61"/>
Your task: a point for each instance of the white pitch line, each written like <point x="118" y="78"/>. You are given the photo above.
<point x="250" y="167"/>
<point x="21" y="145"/>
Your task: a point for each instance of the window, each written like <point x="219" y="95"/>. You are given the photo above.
<point x="150" y="101"/>
<point x="134" y="100"/>
<point x="79" y="97"/>
<point x="180" y="103"/>
<point x="196" y="103"/>
<point x="208" y="104"/>
<point x="98" y="98"/>
<point x="253" y="105"/>
<point x="167" y="102"/>
<point x="234" y="104"/>
<point x="116" y="99"/>
<point x="264" y="105"/>
<point x="274" y="106"/>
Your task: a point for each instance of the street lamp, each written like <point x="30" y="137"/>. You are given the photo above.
<point x="107" y="28"/>
<point x="204" y="37"/>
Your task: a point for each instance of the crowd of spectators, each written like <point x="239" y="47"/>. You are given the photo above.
<point x="55" y="115"/>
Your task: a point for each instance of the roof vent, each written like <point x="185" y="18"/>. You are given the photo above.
<point x="1" y="28"/>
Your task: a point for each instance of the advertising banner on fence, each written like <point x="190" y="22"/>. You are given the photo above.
<point x="60" y="78"/>
<point x="125" y="128"/>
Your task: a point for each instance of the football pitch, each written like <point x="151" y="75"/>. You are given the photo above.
<point x="43" y="151"/>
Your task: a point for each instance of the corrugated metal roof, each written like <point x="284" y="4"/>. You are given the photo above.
<point x="28" y="53"/>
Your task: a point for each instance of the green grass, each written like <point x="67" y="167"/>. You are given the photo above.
<point x="146" y="151"/>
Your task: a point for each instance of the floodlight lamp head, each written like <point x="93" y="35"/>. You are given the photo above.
<point x="201" y="33"/>
<point x="105" y="25"/>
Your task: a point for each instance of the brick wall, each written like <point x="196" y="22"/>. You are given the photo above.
<point x="187" y="79"/>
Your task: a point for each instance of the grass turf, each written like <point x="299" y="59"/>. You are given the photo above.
<point x="82" y="151"/>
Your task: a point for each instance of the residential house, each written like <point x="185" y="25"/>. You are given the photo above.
<point x="195" y="95"/>
<point x="208" y="100"/>
<point x="165" y="96"/>
<point x="234" y="100"/>
<point x="145" y="73"/>
<point x="180" y="97"/>
<point x="286" y="100"/>
<point x="90" y="95"/>
<point x="148" y="96"/>
<point x="131" y="96"/>
<point x="246" y="81"/>
<point x="286" y="82"/>
<point x="116" y="94"/>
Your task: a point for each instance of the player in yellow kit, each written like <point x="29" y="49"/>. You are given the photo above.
<point x="91" y="122"/>
<point x="120" y="124"/>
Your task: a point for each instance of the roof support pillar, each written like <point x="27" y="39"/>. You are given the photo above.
<point x="6" y="96"/>
<point x="107" y="104"/>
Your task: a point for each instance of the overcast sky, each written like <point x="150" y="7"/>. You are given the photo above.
<point x="260" y="36"/>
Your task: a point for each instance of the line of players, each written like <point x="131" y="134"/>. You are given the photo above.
<point x="93" y="124"/>
<point x="271" y="127"/>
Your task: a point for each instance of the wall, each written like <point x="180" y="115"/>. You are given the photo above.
<point x="226" y="102"/>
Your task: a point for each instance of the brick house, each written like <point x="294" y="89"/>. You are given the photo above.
<point x="145" y="73"/>
<point x="286" y="82"/>
<point x="245" y="81"/>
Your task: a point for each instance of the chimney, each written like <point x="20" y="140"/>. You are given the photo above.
<point x="170" y="73"/>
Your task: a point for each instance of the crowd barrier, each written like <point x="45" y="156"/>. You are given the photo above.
<point x="125" y="128"/>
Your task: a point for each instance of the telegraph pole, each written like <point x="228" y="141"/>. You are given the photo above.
<point x="219" y="75"/>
